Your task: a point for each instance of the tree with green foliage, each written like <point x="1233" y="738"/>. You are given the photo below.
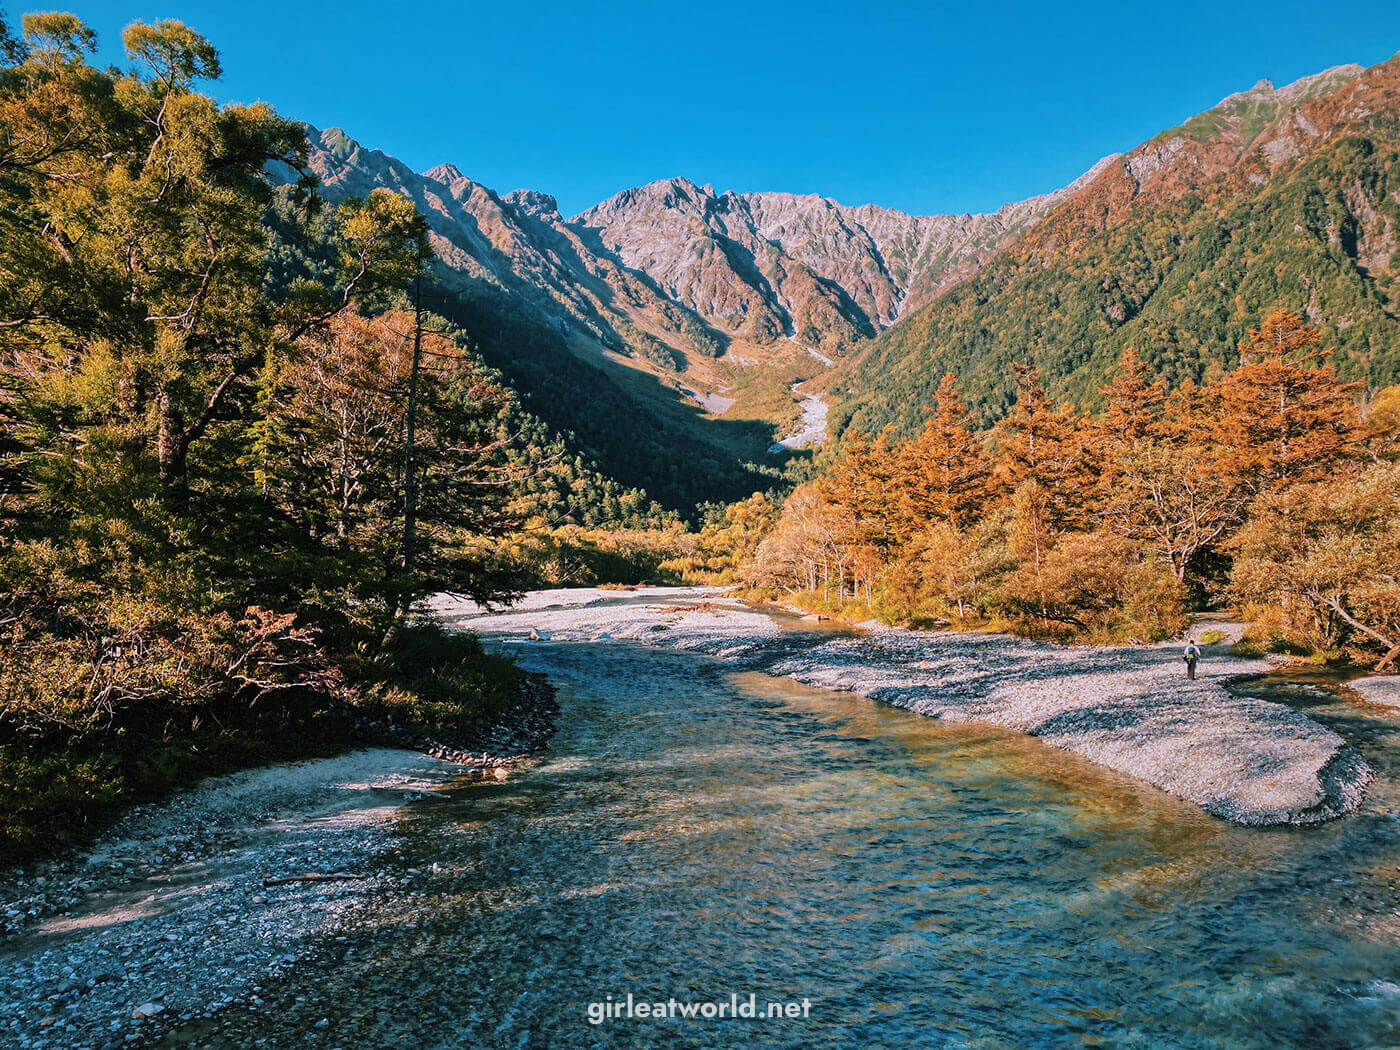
<point x="201" y="469"/>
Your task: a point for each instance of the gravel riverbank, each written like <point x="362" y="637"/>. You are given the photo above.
<point x="190" y="905"/>
<point x="1383" y="690"/>
<point x="1130" y="709"/>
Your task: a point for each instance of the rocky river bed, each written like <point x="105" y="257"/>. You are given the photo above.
<point x="193" y="904"/>
<point x="1128" y="708"/>
<point x="705" y="824"/>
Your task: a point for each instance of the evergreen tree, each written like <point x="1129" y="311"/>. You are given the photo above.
<point x="1044" y="446"/>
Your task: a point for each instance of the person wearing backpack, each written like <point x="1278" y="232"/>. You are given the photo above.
<point x="1191" y="656"/>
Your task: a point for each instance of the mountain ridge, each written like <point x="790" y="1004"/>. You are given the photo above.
<point x="1275" y="196"/>
<point x="756" y="267"/>
<point x="726" y="300"/>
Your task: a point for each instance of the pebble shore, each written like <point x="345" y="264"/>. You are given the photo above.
<point x="1128" y="708"/>
<point x="1382" y="690"/>
<point x="192" y="904"/>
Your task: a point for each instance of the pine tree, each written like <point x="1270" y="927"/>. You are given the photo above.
<point x="865" y="481"/>
<point x="1046" y="445"/>
<point x="1134" y="401"/>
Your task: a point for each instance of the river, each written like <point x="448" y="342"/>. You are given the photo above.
<point x="698" y="832"/>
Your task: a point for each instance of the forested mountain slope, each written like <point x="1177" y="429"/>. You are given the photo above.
<point x="1274" y="196"/>
<point x="633" y="326"/>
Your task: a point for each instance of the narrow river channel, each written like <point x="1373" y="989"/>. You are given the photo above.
<point x="698" y="832"/>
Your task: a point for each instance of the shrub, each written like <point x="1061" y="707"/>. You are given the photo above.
<point x="437" y="682"/>
<point x="1248" y="647"/>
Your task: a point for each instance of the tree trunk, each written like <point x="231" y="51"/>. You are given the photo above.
<point x="1338" y="605"/>
<point x="410" y="475"/>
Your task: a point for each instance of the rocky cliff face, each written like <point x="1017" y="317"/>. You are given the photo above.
<point x="764" y="265"/>
<point x="672" y="272"/>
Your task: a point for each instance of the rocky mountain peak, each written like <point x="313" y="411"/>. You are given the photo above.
<point x="532" y="202"/>
<point x="446" y="173"/>
<point x="1264" y="93"/>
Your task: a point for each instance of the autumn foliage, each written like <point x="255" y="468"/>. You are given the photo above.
<point x="204" y="474"/>
<point x="1268" y="485"/>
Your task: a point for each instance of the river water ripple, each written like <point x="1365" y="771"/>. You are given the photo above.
<point x="697" y="831"/>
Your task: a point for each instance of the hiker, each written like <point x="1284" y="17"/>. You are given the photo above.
<point x="1192" y="654"/>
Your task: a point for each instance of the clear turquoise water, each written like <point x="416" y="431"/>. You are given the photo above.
<point x="697" y="832"/>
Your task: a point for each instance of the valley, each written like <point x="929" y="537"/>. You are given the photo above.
<point x="702" y="291"/>
<point x="432" y="615"/>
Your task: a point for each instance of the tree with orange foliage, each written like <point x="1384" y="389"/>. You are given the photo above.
<point x="812" y="546"/>
<point x="1043" y="462"/>
<point x="1134" y="405"/>
<point x="1283" y="412"/>
<point x="944" y="470"/>
<point x="1162" y="484"/>
<point x="865" y="480"/>
<point x="1326" y="555"/>
<point x="1134" y="401"/>
<point x="1382" y="431"/>
<point x="329" y="451"/>
<point x="1046" y="444"/>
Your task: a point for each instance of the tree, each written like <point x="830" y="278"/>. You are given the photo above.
<point x="1042" y="462"/>
<point x="1167" y="497"/>
<point x="725" y="546"/>
<point x="1284" y="414"/>
<point x="1092" y="581"/>
<point x="146" y="252"/>
<point x="959" y="568"/>
<point x="813" y="545"/>
<point x="1161" y="482"/>
<point x="1327" y="553"/>
<point x="943" y="471"/>
<point x="1382" y="427"/>
<point x="11" y="49"/>
<point x="865" y="480"/>
<point x="1134" y="401"/>
<point x="330" y="452"/>
<point x="133" y="328"/>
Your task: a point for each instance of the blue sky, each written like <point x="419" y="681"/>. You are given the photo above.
<point x="926" y="107"/>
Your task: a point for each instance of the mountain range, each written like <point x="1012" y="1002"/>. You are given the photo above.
<point x="672" y="277"/>
<point x="683" y="307"/>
